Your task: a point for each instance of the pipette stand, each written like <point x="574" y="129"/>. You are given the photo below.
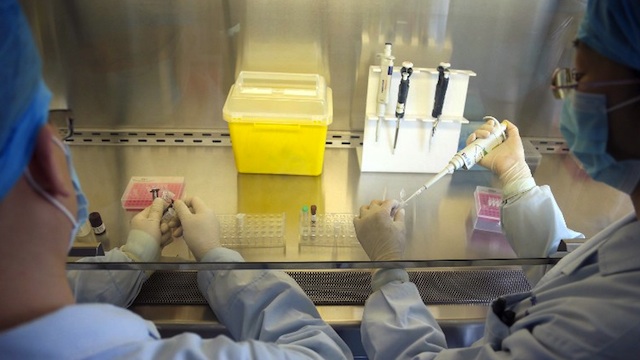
<point x="416" y="151"/>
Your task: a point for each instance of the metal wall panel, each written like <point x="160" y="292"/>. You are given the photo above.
<point x="169" y="63"/>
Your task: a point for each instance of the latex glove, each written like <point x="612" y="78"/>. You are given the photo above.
<point x="198" y="225"/>
<point x="145" y="237"/>
<point x="507" y="161"/>
<point x="381" y="236"/>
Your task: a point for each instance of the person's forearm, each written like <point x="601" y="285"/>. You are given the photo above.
<point x="268" y="306"/>
<point x="397" y="325"/>
<point x="534" y="226"/>
<point x="117" y="287"/>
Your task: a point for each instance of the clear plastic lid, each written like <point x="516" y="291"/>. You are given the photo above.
<point x="279" y="98"/>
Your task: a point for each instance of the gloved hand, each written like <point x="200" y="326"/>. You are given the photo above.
<point x="507" y="161"/>
<point x="381" y="236"/>
<point x="145" y="238"/>
<point x="198" y="225"/>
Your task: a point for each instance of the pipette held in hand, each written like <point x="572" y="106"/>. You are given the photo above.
<point x="466" y="157"/>
<point x="386" y="70"/>
<point x="475" y="151"/>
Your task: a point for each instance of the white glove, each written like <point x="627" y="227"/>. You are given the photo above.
<point x="507" y="161"/>
<point x="198" y="225"/>
<point x="381" y="236"/>
<point x="145" y="238"/>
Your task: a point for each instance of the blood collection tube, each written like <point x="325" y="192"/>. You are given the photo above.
<point x="314" y="209"/>
<point x="99" y="230"/>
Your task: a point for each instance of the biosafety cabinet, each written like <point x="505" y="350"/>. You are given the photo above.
<point x="140" y="89"/>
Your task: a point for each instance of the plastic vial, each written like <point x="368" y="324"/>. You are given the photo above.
<point x="240" y="220"/>
<point x="305" y="222"/>
<point x="99" y="230"/>
<point x="314" y="209"/>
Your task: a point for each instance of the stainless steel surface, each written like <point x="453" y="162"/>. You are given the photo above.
<point x="170" y="63"/>
<point x="438" y="223"/>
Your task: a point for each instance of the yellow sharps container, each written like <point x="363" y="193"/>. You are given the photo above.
<point x="278" y="122"/>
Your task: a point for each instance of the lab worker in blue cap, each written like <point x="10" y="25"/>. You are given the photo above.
<point x="588" y="305"/>
<point x="41" y="207"/>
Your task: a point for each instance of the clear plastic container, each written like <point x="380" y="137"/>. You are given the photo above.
<point x="278" y="122"/>
<point x="139" y="192"/>
<point x="487" y="213"/>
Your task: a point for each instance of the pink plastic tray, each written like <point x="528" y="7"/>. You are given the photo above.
<point x="138" y="194"/>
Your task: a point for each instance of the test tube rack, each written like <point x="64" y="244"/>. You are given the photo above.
<point x="329" y="230"/>
<point x="138" y="194"/>
<point x="416" y="150"/>
<point x="252" y="230"/>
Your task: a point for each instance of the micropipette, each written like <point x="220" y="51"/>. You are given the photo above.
<point x="466" y="157"/>
<point x="403" y="92"/>
<point x="386" y="70"/>
<point x="441" y="91"/>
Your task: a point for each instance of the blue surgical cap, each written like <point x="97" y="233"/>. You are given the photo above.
<point x="24" y="97"/>
<point x="612" y="28"/>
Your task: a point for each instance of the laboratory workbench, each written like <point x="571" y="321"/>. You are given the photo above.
<point x="439" y="222"/>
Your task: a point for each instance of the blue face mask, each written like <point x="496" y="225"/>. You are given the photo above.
<point x="585" y="127"/>
<point x="83" y="204"/>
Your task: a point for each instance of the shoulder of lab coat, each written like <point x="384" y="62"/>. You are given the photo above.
<point x="106" y="332"/>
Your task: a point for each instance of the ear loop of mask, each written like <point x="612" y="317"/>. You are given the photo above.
<point x="46" y="195"/>
<point x="623" y="104"/>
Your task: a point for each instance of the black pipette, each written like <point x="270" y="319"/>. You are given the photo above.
<point x="441" y="91"/>
<point x="403" y="92"/>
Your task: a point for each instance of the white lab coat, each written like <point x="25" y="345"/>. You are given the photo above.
<point x="268" y="315"/>
<point x="586" y="307"/>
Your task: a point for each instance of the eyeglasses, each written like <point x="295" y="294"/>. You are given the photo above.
<point x="62" y="120"/>
<point x="565" y="79"/>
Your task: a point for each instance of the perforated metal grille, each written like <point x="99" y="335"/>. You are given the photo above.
<point x="353" y="287"/>
<point x="171" y="288"/>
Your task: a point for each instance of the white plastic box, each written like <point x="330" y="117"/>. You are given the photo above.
<point x="416" y="150"/>
<point x="486" y="216"/>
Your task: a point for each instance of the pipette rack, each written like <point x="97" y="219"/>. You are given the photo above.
<point x="329" y="230"/>
<point x="416" y="150"/>
<point x="252" y="230"/>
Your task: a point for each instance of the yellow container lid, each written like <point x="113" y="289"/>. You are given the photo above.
<point x="282" y="98"/>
